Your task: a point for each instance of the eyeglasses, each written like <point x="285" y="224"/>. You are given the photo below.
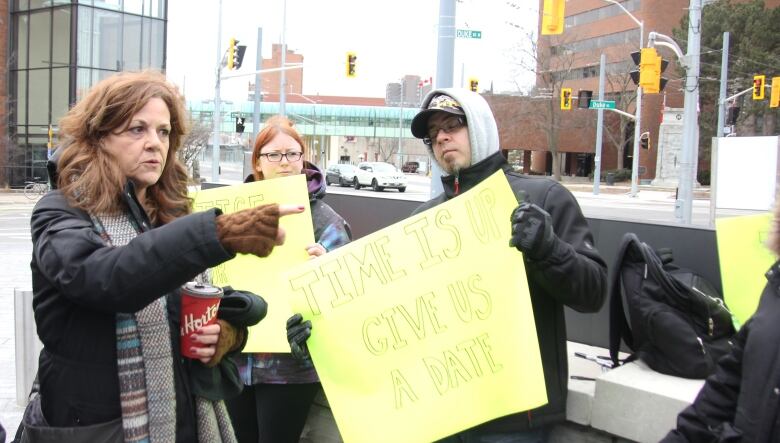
<point x="277" y="156"/>
<point x="448" y="125"/>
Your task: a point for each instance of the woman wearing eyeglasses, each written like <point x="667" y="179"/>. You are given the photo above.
<point x="279" y="388"/>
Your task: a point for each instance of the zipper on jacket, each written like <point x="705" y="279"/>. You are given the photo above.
<point x="457" y="182"/>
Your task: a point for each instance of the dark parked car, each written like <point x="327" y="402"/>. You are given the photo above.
<point x="342" y="174"/>
<point x="410" y="167"/>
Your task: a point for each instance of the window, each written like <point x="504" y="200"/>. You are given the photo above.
<point x="106" y="40"/>
<point x="61" y="43"/>
<point x="40" y="39"/>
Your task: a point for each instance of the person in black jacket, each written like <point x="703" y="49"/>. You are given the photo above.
<point x="279" y="387"/>
<point x="111" y="248"/>
<point x="562" y="265"/>
<point x="740" y="401"/>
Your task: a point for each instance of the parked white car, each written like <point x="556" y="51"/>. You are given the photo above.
<point x="379" y="176"/>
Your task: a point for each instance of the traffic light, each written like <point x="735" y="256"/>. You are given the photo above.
<point x="644" y="140"/>
<point x="552" y="17"/>
<point x="235" y="54"/>
<point x="651" y="66"/>
<point x="474" y="85"/>
<point x="583" y="99"/>
<point x="566" y="99"/>
<point x="351" y="59"/>
<point x="240" y="125"/>
<point x="774" y="98"/>
<point x="758" y="87"/>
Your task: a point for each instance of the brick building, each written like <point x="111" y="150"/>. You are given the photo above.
<point x="571" y="60"/>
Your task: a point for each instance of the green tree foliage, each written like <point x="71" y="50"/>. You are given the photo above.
<point x="754" y="49"/>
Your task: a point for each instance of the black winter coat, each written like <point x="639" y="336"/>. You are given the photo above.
<point x="80" y="284"/>
<point x="740" y="402"/>
<point x="575" y="275"/>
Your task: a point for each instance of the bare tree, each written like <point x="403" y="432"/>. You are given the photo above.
<point x="192" y="145"/>
<point x="623" y="92"/>
<point x="552" y="64"/>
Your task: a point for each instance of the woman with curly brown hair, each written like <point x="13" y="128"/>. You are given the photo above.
<point x="111" y="248"/>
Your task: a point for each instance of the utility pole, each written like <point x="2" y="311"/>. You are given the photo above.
<point x="638" y="113"/>
<point x="684" y="204"/>
<point x="599" y="125"/>
<point x="258" y="86"/>
<point x="216" y="116"/>
<point x="282" y="77"/>
<point x="401" y="123"/>
<point x="445" y="56"/>
<point x="724" y="77"/>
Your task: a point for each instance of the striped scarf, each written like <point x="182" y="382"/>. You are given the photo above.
<point x="145" y="364"/>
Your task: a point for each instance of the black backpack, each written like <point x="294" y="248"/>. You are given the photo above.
<point x="679" y="324"/>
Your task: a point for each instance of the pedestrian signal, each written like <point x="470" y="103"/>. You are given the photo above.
<point x="566" y="99"/>
<point x="351" y="59"/>
<point x="758" y="87"/>
<point x="583" y="99"/>
<point x="644" y="140"/>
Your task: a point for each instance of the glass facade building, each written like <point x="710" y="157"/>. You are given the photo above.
<point x="58" y="50"/>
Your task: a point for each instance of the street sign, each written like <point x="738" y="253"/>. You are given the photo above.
<point x="468" y="33"/>
<point x="602" y="104"/>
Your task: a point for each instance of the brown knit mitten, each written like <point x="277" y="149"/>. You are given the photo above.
<point x="249" y="231"/>
<point x="230" y="338"/>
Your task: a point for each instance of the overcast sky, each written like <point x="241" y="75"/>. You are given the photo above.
<point x="391" y="39"/>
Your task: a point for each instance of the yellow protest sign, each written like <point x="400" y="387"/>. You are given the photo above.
<point x="424" y="328"/>
<point x="744" y="258"/>
<point x="261" y="275"/>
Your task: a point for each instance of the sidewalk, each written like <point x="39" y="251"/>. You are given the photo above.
<point x="15" y="261"/>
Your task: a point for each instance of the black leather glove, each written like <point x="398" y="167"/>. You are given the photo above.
<point x="298" y="331"/>
<point x="532" y="231"/>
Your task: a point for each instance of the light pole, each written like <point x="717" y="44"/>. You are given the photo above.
<point x="638" y="113"/>
<point x="217" y="118"/>
<point x="320" y="153"/>
<point x="282" y="78"/>
<point x="690" y="61"/>
<point x="401" y="123"/>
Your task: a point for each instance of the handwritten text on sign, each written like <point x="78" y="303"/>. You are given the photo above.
<point x="424" y="328"/>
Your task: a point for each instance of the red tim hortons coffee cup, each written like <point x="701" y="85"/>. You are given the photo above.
<point x="199" y="305"/>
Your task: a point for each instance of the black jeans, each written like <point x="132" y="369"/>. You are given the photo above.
<point x="269" y="413"/>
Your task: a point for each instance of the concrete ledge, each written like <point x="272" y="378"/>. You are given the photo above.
<point x="637" y="403"/>
<point x="579" y="402"/>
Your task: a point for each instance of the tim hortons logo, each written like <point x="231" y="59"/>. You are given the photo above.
<point x="190" y="323"/>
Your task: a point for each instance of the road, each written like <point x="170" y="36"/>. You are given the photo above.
<point x="656" y="206"/>
<point x="15" y="251"/>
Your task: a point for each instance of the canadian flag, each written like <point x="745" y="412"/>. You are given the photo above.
<point x="424" y="82"/>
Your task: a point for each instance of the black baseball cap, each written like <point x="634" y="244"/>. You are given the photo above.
<point x="440" y="103"/>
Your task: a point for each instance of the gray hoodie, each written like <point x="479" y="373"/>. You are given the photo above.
<point x="483" y="132"/>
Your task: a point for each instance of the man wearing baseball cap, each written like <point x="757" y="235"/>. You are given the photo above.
<point x="562" y="265"/>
